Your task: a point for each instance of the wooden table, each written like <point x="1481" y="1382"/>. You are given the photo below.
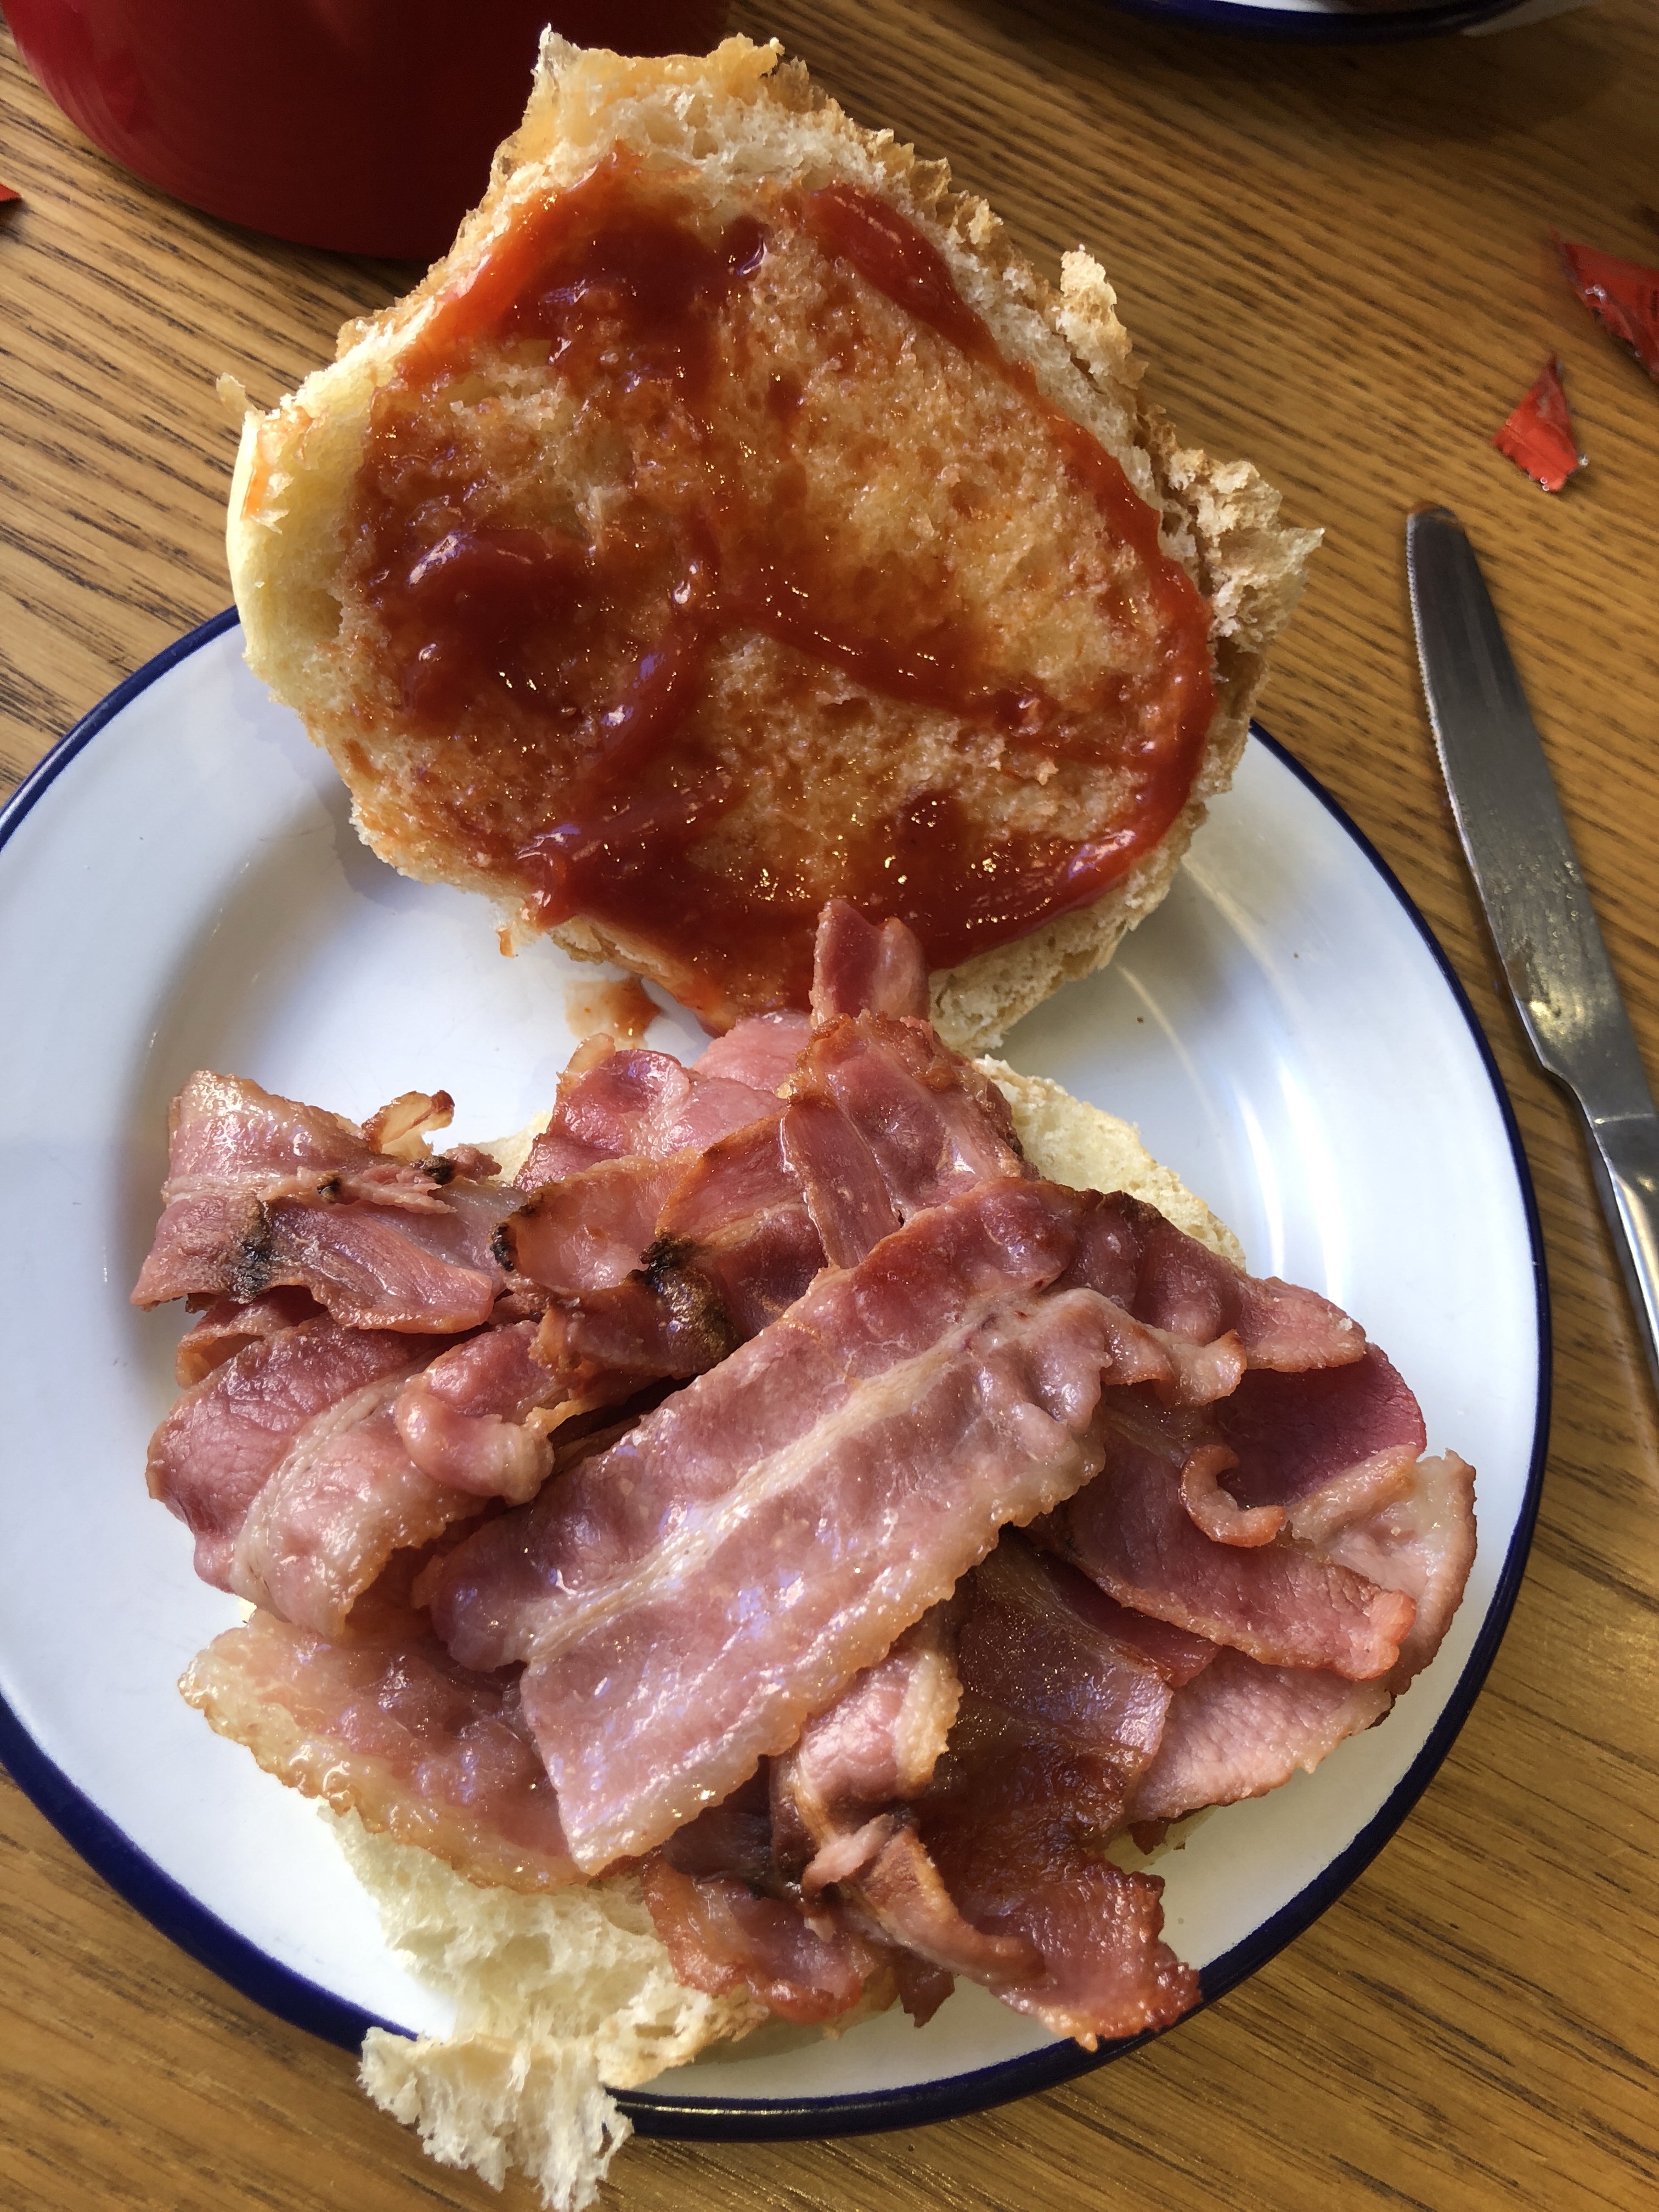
<point x="1337" y="263"/>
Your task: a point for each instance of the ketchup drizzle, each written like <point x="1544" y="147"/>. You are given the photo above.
<point x="541" y="653"/>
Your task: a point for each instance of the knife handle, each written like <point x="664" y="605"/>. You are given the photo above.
<point x="1624" y="1151"/>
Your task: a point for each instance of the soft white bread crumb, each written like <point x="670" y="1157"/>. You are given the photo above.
<point x="560" y="1998"/>
<point x="740" y="115"/>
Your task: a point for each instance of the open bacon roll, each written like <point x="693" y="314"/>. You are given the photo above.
<point x="822" y="1531"/>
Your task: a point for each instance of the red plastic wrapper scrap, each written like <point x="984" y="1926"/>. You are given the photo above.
<point x="1538" y="436"/>
<point x="1622" y="296"/>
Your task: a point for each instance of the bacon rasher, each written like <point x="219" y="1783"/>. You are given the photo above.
<point x="265" y="1194"/>
<point x="394" y="1730"/>
<point x="956" y="1803"/>
<point x="230" y="1325"/>
<point x="859" y="967"/>
<point x="1144" y="1535"/>
<point x="291" y="1461"/>
<point x="638" y="1104"/>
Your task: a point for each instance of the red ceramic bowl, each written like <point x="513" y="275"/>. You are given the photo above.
<point x="366" y="125"/>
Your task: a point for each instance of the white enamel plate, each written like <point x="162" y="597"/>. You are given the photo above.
<point x="180" y="888"/>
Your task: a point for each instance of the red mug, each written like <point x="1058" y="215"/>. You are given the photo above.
<point x="365" y="125"/>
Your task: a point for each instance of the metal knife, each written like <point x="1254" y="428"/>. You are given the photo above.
<point x="1536" y="900"/>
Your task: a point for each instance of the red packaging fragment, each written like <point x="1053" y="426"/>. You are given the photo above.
<point x="7" y="192"/>
<point x="1622" y="296"/>
<point x="1538" y="436"/>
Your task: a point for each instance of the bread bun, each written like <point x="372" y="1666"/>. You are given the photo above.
<point x="560" y="1998"/>
<point x="737" y="124"/>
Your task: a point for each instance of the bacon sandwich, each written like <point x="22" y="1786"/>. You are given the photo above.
<point x="735" y="520"/>
<point x="767" y="1546"/>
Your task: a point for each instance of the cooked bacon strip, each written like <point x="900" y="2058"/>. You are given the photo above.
<point x="1170" y="1652"/>
<point x="429" y="1274"/>
<point x="663" y="1324"/>
<point x="225" y="1136"/>
<point x="590" y="1231"/>
<point x="898" y="1889"/>
<point x="844" y="1191"/>
<point x="397" y="1732"/>
<point x="734" y="1223"/>
<point x="638" y="1105"/>
<point x="880" y="1740"/>
<point x="761" y="1050"/>
<point x="462" y="1419"/>
<point x="737" y="1217"/>
<point x="229" y="1324"/>
<point x="860" y="968"/>
<point x="1041" y="1660"/>
<point x="1215" y="1511"/>
<point x="659" y="1268"/>
<point x="372" y="1268"/>
<point x="263" y="1193"/>
<point x="1409" y="1528"/>
<point x="690" y="1598"/>
<point x="884" y="1121"/>
<point x="721" y="1934"/>
<point x="1240" y="1728"/>
<point x="1292" y="1435"/>
<point x="1058" y="1721"/>
<point x="732" y="1214"/>
<point x="932" y="1124"/>
<point x="732" y="1838"/>
<point x="1282" y="1603"/>
<point x="876" y="1746"/>
<point x="1421" y="1540"/>
<point x="225" y="1438"/>
<point x="1129" y="1252"/>
<point x="1340" y="1451"/>
<point x="729" y="1914"/>
<point x="345" y="1497"/>
<point x="287" y="1465"/>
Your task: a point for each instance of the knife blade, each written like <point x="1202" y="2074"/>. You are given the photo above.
<point x="1537" y="905"/>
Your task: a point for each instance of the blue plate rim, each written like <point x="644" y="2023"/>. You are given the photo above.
<point x="1370" y="28"/>
<point x="205" y="1937"/>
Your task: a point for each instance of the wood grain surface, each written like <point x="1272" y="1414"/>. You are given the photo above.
<point x="1336" y="262"/>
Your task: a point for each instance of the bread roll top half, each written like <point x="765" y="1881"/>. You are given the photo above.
<point x="734" y="521"/>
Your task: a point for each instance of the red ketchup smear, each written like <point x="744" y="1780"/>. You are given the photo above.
<point x="1538" y="437"/>
<point x="1622" y="296"/>
<point x="616" y="287"/>
<point x="621" y="1012"/>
